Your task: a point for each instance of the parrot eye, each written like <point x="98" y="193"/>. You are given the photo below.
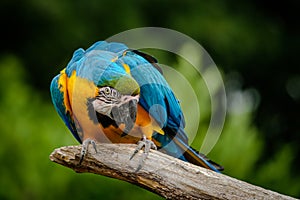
<point x="107" y="90"/>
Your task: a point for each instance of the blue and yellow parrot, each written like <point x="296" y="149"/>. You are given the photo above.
<point x="112" y="94"/>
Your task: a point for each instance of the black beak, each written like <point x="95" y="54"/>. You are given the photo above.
<point x="125" y="114"/>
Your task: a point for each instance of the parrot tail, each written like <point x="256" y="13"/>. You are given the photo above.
<point x="177" y="146"/>
<point x="193" y="156"/>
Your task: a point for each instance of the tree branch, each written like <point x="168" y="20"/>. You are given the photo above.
<point x="162" y="174"/>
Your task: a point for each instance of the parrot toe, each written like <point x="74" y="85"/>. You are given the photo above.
<point x="147" y="145"/>
<point x="84" y="149"/>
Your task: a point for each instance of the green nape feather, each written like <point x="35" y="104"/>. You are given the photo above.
<point x="126" y="85"/>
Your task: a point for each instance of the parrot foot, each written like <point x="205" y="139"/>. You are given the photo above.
<point x="147" y="145"/>
<point x="85" y="146"/>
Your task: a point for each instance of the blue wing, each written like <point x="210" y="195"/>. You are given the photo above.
<point x="59" y="98"/>
<point x="156" y="96"/>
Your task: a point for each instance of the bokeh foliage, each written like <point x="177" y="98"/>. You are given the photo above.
<point x="252" y="42"/>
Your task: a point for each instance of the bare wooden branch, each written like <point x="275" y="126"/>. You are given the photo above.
<point x="167" y="176"/>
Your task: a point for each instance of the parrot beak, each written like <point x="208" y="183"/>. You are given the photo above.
<point x="122" y="109"/>
<point x="125" y="112"/>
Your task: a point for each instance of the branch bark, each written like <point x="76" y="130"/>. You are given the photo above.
<point x="162" y="174"/>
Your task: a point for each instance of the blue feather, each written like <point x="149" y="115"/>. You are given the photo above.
<point x="58" y="102"/>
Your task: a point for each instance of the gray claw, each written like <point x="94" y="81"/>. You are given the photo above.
<point x="147" y="144"/>
<point x="85" y="146"/>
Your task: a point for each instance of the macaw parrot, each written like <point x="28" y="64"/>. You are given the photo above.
<point x="112" y="94"/>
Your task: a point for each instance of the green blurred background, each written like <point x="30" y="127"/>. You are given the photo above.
<point x="253" y="43"/>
